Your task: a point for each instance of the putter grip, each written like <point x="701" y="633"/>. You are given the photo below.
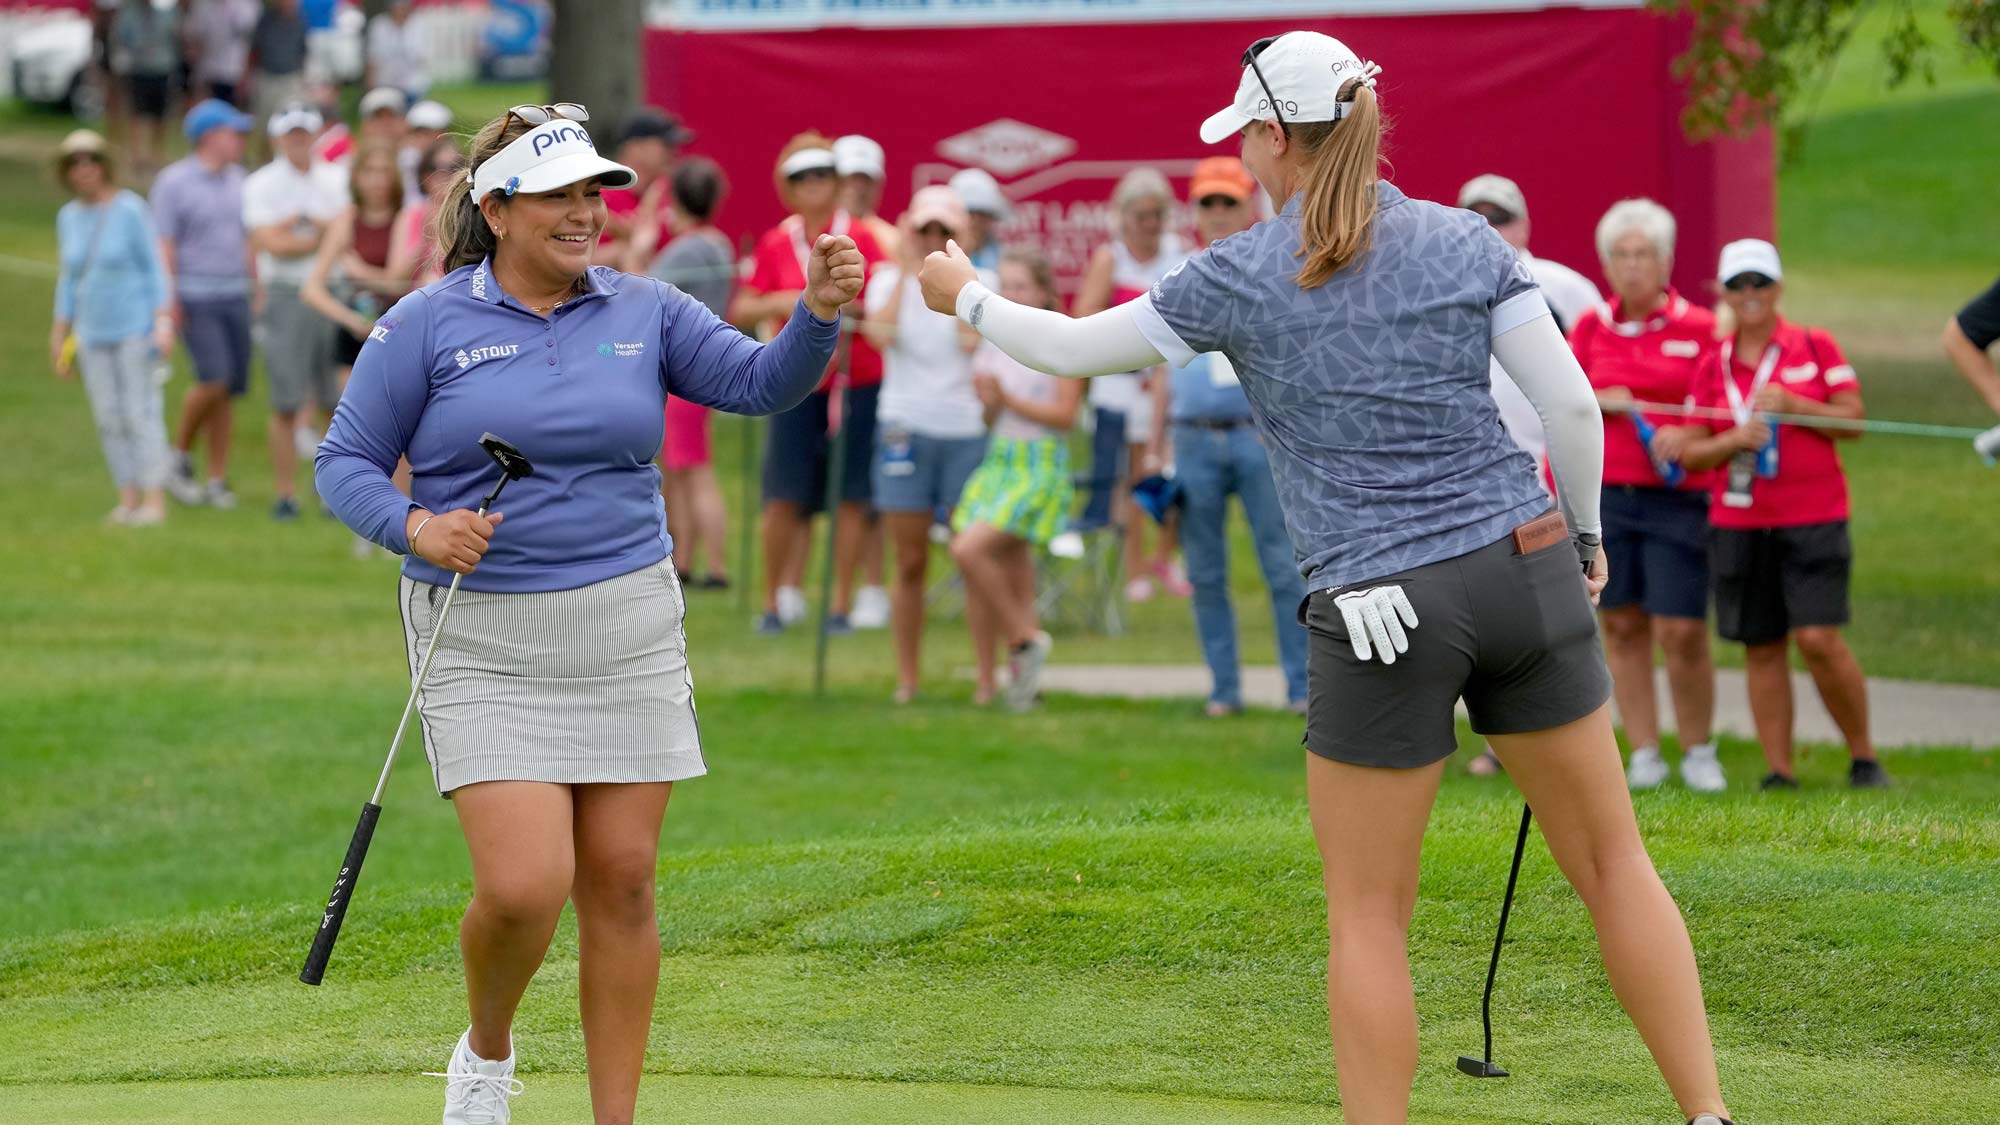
<point x="343" y="893"/>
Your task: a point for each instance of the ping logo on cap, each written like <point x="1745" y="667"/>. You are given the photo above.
<point x="559" y="135"/>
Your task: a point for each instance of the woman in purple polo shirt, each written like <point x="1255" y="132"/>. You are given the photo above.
<point x="559" y="710"/>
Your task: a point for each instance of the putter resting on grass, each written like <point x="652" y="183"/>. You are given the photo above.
<point x="513" y="466"/>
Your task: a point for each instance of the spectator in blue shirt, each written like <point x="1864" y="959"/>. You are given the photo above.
<point x="112" y="322"/>
<point x="1216" y="454"/>
<point x="559" y="709"/>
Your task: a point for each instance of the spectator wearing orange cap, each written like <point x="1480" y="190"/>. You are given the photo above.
<point x="1216" y="454"/>
<point x="930" y="432"/>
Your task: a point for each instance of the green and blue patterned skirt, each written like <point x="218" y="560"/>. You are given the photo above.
<point x="1022" y="488"/>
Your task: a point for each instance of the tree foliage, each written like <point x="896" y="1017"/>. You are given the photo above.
<point x="1750" y="58"/>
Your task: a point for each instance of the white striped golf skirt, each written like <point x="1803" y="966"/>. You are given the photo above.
<point x="575" y="686"/>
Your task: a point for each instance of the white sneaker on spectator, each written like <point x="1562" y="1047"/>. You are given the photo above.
<point x="1701" y="771"/>
<point x="1024" y="671"/>
<point x="871" y="608"/>
<point x="476" y="1090"/>
<point x="181" y="482"/>
<point x="791" y="605"/>
<point x="219" y="496"/>
<point x="1646" y="770"/>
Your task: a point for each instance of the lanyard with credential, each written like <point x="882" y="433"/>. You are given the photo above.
<point x="1739" y="405"/>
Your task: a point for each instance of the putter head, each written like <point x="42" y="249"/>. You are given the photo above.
<point x="511" y="461"/>
<point x="1479" y="1068"/>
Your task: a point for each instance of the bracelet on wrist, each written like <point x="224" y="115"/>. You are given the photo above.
<point x="420" y="531"/>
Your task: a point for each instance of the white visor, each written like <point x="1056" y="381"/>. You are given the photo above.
<point x="1305" y="72"/>
<point x="806" y="160"/>
<point x="545" y="158"/>
<point x="293" y="120"/>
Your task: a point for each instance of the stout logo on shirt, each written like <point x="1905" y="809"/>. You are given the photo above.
<point x="492" y="351"/>
<point x="1680" y="349"/>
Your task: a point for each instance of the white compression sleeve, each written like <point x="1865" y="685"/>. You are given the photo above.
<point x="1105" y="344"/>
<point x="1534" y="354"/>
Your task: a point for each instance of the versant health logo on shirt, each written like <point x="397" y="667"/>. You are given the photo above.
<point x="492" y="351"/>
<point x="625" y="351"/>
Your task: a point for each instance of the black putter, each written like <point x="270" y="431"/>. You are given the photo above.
<point x="1483" y="1067"/>
<point x="513" y="466"/>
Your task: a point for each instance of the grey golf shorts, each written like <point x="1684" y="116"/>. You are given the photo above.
<point x="1512" y="635"/>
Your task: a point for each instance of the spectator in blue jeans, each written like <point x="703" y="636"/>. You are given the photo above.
<point x="1216" y="453"/>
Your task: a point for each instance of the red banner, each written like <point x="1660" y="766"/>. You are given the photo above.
<point x="1576" y="105"/>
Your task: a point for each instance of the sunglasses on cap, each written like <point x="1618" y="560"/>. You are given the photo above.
<point x="1743" y="281"/>
<point x="1250" y="60"/>
<point x="1211" y="202"/>
<point x="1493" y="213"/>
<point x="533" y="115"/>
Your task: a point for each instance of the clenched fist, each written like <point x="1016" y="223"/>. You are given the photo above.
<point x="943" y="275"/>
<point x="454" y="540"/>
<point x="834" y="276"/>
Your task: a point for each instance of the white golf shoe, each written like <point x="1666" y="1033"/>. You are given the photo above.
<point x="1701" y="771"/>
<point x="1024" y="666"/>
<point x="1646" y="770"/>
<point x="477" y="1091"/>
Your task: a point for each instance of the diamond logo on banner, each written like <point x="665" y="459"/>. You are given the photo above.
<point x="1006" y="147"/>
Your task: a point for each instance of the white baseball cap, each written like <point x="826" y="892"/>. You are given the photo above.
<point x="428" y="114"/>
<point x="383" y="98"/>
<point x="856" y="155"/>
<point x="1749" y="255"/>
<point x="981" y="193"/>
<point x="1499" y="191"/>
<point x="549" y="156"/>
<point x="1304" y="71"/>
<point x="293" y="119"/>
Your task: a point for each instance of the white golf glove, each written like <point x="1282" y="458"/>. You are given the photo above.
<point x="1372" y="621"/>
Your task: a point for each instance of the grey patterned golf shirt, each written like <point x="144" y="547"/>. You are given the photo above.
<point x="1372" y="390"/>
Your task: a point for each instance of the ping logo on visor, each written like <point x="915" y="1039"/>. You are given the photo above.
<point x="545" y="140"/>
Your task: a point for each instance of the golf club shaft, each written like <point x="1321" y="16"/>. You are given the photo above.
<point x="1500" y="933"/>
<point x="364" y="830"/>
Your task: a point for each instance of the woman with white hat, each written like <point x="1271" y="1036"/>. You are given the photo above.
<point x="1782" y="556"/>
<point x="559" y="709"/>
<point x="930" y="429"/>
<point x="1360" y="322"/>
<point x="113" y="322"/>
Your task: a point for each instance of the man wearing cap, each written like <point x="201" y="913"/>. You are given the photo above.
<point x="1216" y="453"/>
<point x="1499" y="201"/>
<point x="399" y="51"/>
<point x="649" y="140"/>
<point x="198" y="210"/>
<point x="287" y="205"/>
<point x="988" y="206"/>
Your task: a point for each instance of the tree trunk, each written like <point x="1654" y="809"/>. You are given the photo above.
<point x="594" y="59"/>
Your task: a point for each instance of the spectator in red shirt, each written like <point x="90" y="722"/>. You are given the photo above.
<point x="1781" y="551"/>
<point x="798" y="446"/>
<point x="1645" y="346"/>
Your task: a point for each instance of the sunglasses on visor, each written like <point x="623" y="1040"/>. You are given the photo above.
<point x="533" y="115"/>
<point x="1250" y="60"/>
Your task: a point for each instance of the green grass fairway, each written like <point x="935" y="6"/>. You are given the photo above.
<point x="1103" y="912"/>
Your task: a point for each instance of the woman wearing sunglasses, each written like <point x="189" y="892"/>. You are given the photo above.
<point x="559" y="711"/>
<point x="1782" y="558"/>
<point x="1360" y="324"/>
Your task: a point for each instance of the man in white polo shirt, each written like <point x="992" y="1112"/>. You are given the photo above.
<point x="287" y="206"/>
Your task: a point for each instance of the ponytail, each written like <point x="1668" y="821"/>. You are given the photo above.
<point x="1337" y="184"/>
<point x="462" y="230"/>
